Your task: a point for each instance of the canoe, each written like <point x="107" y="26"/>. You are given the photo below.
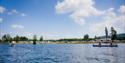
<point x="104" y="45"/>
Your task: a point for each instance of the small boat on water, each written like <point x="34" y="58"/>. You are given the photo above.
<point x="104" y="41"/>
<point x="104" y="45"/>
<point x="110" y="44"/>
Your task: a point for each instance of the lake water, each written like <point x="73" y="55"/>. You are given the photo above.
<point x="61" y="53"/>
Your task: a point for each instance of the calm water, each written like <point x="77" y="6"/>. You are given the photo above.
<point x="61" y="53"/>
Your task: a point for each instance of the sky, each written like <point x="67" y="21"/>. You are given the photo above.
<point x="55" y="19"/>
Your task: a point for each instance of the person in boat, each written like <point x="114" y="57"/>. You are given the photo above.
<point x="100" y="43"/>
<point x="12" y="44"/>
<point x="113" y="35"/>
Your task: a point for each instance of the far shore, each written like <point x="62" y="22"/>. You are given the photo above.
<point x="58" y="42"/>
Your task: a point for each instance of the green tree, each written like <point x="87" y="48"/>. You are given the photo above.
<point x="95" y="37"/>
<point x="106" y="33"/>
<point x="86" y="37"/>
<point x="23" y="38"/>
<point x="34" y="39"/>
<point x="17" y="38"/>
<point x="113" y="34"/>
<point x="0" y="40"/>
<point x="6" y="38"/>
<point x="41" y="38"/>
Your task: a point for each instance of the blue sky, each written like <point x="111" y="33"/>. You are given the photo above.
<point x="58" y="18"/>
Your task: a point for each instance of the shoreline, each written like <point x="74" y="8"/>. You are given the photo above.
<point x="62" y="42"/>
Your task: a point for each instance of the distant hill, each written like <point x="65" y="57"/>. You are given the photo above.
<point x="120" y="36"/>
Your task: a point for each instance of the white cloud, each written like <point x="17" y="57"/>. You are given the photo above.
<point x="78" y="9"/>
<point x="2" y="9"/>
<point x="17" y="26"/>
<point x="109" y="19"/>
<point x="1" y="20"/>
<point x="122" y="9"/>
<point x="13" y="11"/>
<point x="23" y="14"/>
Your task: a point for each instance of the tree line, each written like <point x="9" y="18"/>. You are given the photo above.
<point x="85" y="38"/>
<point x="7" y="38"/>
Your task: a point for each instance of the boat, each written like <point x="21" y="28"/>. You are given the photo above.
<point x="104" y="41"/>
<point x="104" y="45"/>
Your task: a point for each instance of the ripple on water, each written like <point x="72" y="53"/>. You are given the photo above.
<point x="60" y="54"/>
<point x="42" y="59"/>
<point x="98" y="59"/>
<point x="1" y="60"/>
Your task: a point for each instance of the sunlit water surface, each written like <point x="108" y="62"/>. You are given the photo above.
<point x="61" y="53"/>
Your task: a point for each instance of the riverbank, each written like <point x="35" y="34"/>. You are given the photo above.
<point x="59" y="42"/>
